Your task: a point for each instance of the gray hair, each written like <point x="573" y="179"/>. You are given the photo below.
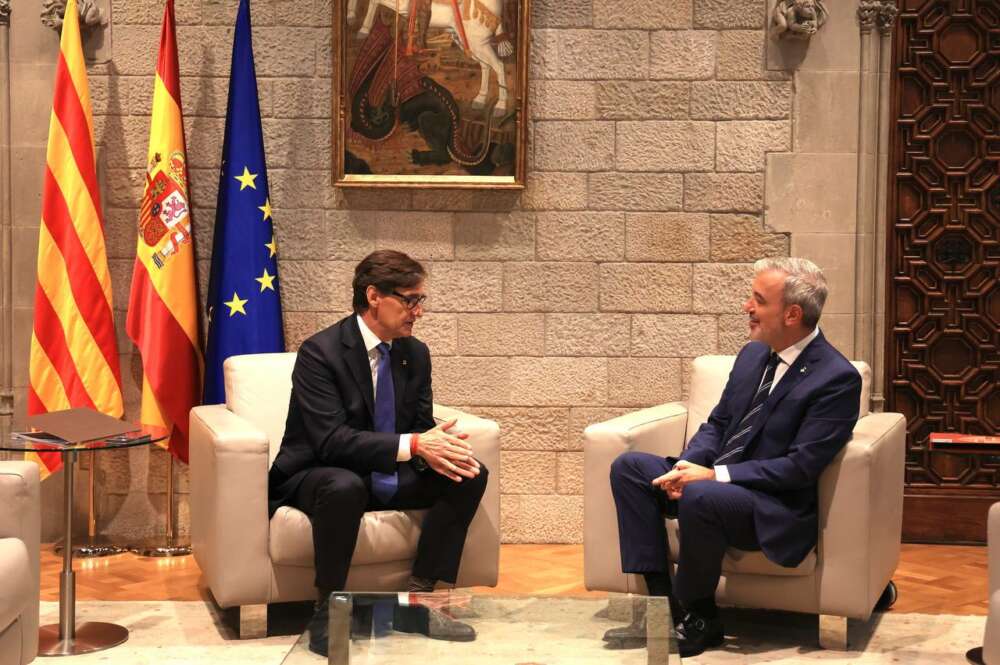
<point x="805" y="285"/>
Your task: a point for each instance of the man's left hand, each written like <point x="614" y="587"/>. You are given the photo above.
<point x="684" y="472"/>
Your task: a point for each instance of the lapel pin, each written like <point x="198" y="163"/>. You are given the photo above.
<point x="802" y="371"/>
<point x="404" y="362"/>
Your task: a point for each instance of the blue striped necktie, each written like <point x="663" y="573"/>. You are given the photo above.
<point x="733" y="451"/>
<point x="384" y="485"/>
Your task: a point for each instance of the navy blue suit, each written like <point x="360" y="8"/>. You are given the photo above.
<point x="770" y="503"/>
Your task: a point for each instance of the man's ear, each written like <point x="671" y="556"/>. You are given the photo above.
<point x="793" y="315"/>
<point x="371" y="293"/>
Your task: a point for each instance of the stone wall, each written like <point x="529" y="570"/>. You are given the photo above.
<point x="581" y="298"/>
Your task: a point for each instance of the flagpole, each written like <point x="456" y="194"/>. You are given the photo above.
<point x="169" y="544"/>
<point x="6" y="222"/>
<point x="94" y="545"/>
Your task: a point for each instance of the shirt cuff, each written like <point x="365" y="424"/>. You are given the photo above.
<point x="404" y="448"/>
<point x="721" y="473"/>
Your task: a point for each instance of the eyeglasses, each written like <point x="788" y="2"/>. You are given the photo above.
<point x="410" y="302"/>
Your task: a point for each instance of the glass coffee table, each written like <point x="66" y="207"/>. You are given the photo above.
<point x="67" y="638"/>
<point x="377" y="628"/>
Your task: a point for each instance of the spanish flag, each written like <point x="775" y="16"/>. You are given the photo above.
<point x="163" y="305"/>
<point x="74" y="355"/>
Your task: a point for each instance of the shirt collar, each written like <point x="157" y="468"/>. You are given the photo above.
<point x="371" y="339"/>
<point x="789" y="355"/>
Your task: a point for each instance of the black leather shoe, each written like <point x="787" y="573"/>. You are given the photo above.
<point x="695" y="633"/>
<point x="319" y="629"/>
<point x="432" y="623"/>
<point x="632" y="636"/>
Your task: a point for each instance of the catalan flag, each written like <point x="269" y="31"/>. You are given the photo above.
<point x="74" y="356"/>
<point x="244" y="300"/>
<point x="163" y="305"/>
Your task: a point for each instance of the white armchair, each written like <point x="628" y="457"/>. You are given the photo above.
<point x="249" y="561"/>
<point x="20" y="531"/>
<point x="860" y="511"/>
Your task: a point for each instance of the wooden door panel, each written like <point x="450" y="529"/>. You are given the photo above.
<point x="943" y="257"/>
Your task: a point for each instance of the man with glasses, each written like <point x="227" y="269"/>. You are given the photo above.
<point x="360" y="434"/>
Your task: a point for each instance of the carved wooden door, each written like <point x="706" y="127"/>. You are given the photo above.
<point x="944" y="250"/>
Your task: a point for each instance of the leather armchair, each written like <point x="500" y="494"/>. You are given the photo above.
<point x="990" y="651"/>
<point x="249" y="561"/>
<point x="860" y="511"/>
<point x="20" y="531"/>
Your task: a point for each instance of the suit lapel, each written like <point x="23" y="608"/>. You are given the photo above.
<point x="400" y="373"/>
<point x="357" y="361"/>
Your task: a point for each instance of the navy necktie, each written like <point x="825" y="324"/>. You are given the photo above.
<point x="733" y="450"/>
<point x="384" y="485"/>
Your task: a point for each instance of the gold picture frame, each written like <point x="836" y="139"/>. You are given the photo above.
<point x="422" y="100"/>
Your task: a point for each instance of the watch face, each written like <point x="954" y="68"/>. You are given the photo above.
<point x="419" y="463"/>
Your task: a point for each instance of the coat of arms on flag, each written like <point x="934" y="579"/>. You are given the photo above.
<point x="164" y="224"/>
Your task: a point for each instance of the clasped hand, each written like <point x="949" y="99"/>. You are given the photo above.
<point x="684" y="472"/>
<point x="447" y="453"/>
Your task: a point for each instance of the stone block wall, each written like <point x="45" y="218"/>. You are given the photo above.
<point x="583" y="297"/>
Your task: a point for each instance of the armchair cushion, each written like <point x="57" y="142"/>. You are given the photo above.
<point x="385" y="535"/>
<point x="745" y="563"/>
<point x="15" y="571"/>
<point x="257" y="389"/>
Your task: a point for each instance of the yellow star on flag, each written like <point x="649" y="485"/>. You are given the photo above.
<point x="236" y="305"/>
<point x="266" y="281"/>
<point x="273" y="246"/>
<point x="266" y="208"/>
<point x="247" y="179"/>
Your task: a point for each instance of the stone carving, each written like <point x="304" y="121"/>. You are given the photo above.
<point x="867" y="13"/>
<point x="886" y="18"/>
<point x="797" y="19"/>
<point x="4" y="12"/>
<point x="91" y="15"/>
<point x="881" y="13"/>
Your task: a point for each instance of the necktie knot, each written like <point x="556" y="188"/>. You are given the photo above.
<point x="773" y="361"/>
<point x="384" y="349"/>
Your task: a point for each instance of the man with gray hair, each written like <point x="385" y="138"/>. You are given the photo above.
<point x="747" y="479"/>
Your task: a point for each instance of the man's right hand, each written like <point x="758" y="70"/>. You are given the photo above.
<point x="448" y="453"/>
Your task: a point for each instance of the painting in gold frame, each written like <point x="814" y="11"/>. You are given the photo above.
<point x="430" y="93"/>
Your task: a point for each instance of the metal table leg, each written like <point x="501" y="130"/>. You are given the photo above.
<point x="66" y="638"/>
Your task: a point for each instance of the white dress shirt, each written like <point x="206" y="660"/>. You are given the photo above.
<point x="371" y="345"/>
<point x="786" y="357"/>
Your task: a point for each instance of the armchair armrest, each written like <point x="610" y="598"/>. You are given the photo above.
<point x="229" y="524"/>
<point x="861" y="517"/>
<point x="658" y="430"/>
<point x="481" y="556"/>
<point x="20" y="518"/>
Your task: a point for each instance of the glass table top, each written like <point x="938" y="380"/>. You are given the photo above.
<point x="142" y="435"/>
<point x="463" y="627"/>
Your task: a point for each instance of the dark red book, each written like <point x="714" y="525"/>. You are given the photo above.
<point x="957" y="437"/>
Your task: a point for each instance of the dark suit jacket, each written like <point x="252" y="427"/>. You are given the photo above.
<point x="805" y="422"/>
<point x="331" y="412"/>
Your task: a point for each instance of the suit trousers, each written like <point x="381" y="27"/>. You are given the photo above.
<point x="712" y="517"/>
<point x="336" y="499"/>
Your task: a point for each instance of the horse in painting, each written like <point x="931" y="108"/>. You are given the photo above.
<point x="481" y="22"/>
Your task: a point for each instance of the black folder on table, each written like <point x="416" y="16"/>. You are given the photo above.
<point x="76" y="425"/>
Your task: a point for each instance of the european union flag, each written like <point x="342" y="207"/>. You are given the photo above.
<point x="244" y="303"/>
